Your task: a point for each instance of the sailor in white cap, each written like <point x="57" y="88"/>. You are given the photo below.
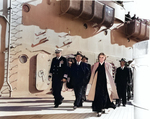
<point x="58" y="50"/>
<point x="59" y="75"/>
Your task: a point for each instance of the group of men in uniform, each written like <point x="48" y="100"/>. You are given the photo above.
<point x="79" y="73"/>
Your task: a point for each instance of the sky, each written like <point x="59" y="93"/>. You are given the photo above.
<point x="139" y="7"/>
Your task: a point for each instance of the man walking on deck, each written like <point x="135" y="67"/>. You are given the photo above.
<point x="79" y="75"/>
<point x="59" y="75"/>
<point x="121" y="80"/>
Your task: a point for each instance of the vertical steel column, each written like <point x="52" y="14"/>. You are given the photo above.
<point x="8" y="60"/>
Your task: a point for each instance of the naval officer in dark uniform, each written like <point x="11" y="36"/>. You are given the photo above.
<point x="85" y="60"/>
<point x="79" y="73"/>
<point x="58" y="71"/>
<point x="122" y="79"/>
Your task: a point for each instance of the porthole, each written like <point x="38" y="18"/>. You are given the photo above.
<point x="23" y="59"/>
<point x="26" y="7"/>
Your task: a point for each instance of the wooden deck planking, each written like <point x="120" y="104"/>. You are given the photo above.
<point x="42" y="108"/>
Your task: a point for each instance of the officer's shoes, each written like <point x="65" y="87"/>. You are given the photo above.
<point x="118" y="105"/>
<point x="124" y="105"/>
<point x="74" y="107"/>
<point x="55" y="106"/>
<point x="62" y="99"/>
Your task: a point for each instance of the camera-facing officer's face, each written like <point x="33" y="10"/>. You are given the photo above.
<point x="122" y="63"/>
<point x="78" y="58"/>
<point x="58" y="54"/>
<point x="84" y="60"/>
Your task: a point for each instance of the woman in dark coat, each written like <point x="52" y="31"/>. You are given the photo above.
<point x="103" y="89"/>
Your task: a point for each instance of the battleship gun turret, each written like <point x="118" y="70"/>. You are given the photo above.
<point x="92" y="11"/>
<point x="137" y="30"/>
